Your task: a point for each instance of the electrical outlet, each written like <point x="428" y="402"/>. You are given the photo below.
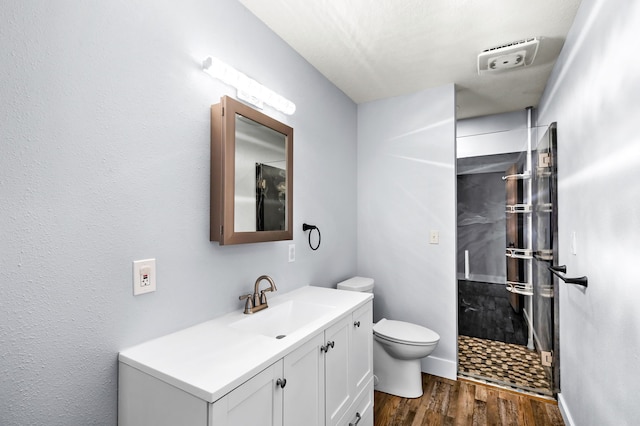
<point x="144" y="276"/>
<point x="292" y="252"/>
<point x="434" y="237"/>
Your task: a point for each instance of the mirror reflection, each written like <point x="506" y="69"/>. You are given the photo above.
<point x="260" y="178"/>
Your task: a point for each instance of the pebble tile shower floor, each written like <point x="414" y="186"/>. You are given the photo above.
<point x="504" y="364"/>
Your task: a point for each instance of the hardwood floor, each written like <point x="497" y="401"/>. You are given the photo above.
<point x="463" y="402"/>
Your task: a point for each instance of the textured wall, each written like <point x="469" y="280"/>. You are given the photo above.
<point x="104" y="159"/>
<point x="593" y="95"/>
<point x="406" y="188"/>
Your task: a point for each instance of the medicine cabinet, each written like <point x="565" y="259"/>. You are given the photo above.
<point x="251" y="175"/>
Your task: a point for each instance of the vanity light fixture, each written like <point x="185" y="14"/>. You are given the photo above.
<point x="247" y="88"/>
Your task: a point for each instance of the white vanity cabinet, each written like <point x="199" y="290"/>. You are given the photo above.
<point x="359" y="409"/>
<point x="257" y="402"/>
<point x="326" y="375"/>
<point x="304" y="390"/>
<point x="320" y="378"/>
<point x="362" y="342"/>
<point x="323" y="378"/>
<point x="338" y="388"/>
<point x="289" y="392"/>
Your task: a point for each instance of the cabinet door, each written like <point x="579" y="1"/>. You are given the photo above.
<point x="144" y="400"/>
<point x="304" y="389"/>
<point x="257" y="402"/>
<point x="362" y="347"/>
<point x="338" y="376"/>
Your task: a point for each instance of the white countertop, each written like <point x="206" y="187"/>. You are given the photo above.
<point x="210" y="359"/>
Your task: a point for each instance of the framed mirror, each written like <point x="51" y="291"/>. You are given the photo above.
<point x="251" y="175"/>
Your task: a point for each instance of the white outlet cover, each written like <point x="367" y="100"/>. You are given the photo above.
<point x="292" y="252"/>
<point x="144" y="276"/>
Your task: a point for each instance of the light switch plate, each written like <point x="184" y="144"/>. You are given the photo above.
<point x="144" y="276"/>
<point x="292" y="252"/>
<point x="434" y="237"/>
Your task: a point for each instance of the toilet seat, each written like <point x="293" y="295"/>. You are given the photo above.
<point x="404" y="333"/>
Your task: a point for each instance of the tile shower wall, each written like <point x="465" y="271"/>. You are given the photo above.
<point x="481" y="226"/>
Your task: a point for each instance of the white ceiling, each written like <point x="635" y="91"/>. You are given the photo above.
<point x="375" y="49"/>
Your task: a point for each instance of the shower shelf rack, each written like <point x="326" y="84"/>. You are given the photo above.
<point x="518" y="208"/>
<point x="544" y="254"/>
<point x="520" y="288"/>
<point x="543" y="172"/>
<point x="545" y="208"/>
<point x="546" y="291"/>
<point x="519" y="253"/>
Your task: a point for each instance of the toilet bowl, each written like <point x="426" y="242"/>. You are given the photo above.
<point x="398" y="347"/>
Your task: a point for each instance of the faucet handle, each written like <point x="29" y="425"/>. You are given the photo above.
<point x="263" y="297"/>
<point x="248" y="305"/>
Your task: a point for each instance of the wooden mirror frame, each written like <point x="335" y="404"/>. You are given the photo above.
<point x="223" y="144"/>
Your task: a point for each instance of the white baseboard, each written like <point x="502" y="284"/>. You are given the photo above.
<point x="564" y="410"/>
<point x="440" y="367"/>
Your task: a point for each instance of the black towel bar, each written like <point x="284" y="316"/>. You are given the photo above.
<point x="560" y="271"/>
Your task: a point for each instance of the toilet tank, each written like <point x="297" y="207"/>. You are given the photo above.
<point x="361" y="284"/>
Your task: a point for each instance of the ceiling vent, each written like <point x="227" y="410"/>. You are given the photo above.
<point x="518" y="54"/>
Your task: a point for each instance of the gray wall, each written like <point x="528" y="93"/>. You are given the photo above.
<point x="104" y="159"/>
<point x="593" y="95"/>
<point x="406" y="188"/>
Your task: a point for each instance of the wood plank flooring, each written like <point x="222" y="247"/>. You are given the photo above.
<point x="462" y="402"/>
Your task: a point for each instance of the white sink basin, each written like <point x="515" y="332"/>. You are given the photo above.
<point x="283" y="319"/>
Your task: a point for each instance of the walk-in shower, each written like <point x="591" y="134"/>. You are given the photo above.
<point x="507" y="324"/>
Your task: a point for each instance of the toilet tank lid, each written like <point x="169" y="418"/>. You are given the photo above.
<point x="405" y="331"/>
<point x="356" y="284"/>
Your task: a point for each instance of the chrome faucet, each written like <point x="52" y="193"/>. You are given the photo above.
<point x="258" y="300"/>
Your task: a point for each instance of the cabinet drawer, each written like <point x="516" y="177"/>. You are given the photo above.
<point x="361" y="411"/>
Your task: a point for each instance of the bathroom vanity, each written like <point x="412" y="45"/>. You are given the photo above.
<point x="306" y="360"/>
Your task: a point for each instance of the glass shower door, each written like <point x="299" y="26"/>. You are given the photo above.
<point x="545" y="229"/>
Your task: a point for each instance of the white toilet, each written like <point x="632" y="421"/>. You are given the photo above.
<point x="398" y="347"/>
